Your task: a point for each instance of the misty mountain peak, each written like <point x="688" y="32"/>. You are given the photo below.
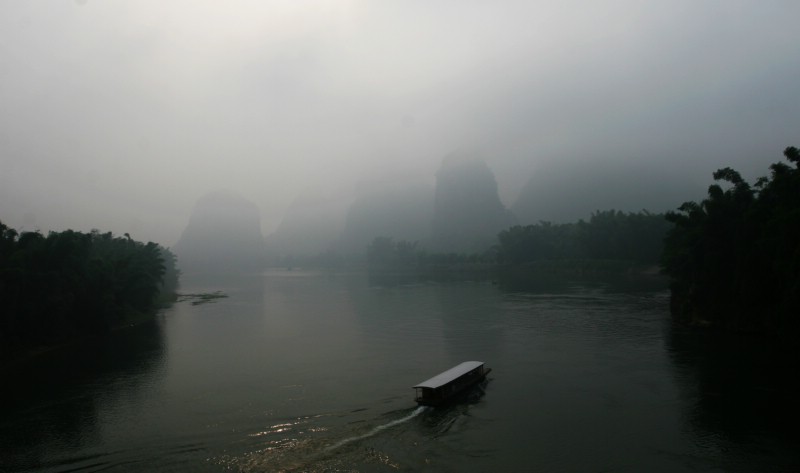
<point x="224" y="232"/>
<point x="468" y="212"/>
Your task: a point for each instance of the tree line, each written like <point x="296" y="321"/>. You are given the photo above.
<point x="70" y="284"/>
<point x="633" y="237"/>
<point x="734" y="258"/>
<point x="626" y="238"/>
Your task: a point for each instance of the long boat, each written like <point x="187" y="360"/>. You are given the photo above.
<point x="445" y="386"/>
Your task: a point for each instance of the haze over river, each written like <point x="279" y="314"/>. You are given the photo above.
<point x="311" y="371"/>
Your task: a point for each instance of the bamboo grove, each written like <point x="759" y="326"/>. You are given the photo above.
<point x="734" y="258"/>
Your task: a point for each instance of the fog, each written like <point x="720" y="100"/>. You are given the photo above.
<point x="120" y="115"/>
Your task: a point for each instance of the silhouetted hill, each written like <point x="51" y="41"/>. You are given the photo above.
<point x="223" y="234"/>
<point x="561" y="192"/>
<point x="401" y="211"/>
<point x="468" y="212"/>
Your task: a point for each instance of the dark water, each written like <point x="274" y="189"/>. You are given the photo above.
<point x="313" y="372"/>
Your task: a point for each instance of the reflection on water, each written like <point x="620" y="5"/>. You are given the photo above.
<point x="542" y="282"/>
<point x="739" y="393"/>
<point x="54" y="404"/>
<point x="304" y="371"/>
<point x="390" y="441"/>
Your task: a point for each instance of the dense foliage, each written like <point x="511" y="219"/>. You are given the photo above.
<point x="608" y="235"/>
<point x="734" y="258"/>
<point x="69" y="284"/>
<point x="610" y="240"/>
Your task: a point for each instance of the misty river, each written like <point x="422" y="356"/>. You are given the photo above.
<point x="308" y="371"/>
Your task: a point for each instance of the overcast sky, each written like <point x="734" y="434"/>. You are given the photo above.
<point x="118" y="115"/>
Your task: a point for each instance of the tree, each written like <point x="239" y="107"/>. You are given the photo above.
<point x="608" y="235"/>
<point x="69" y="283"/>
<point x="734" y="258"/>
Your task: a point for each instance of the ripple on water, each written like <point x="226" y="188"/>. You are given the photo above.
<point x="315" y="443"/>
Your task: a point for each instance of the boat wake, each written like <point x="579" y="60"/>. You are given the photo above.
<point x="419" y="410"/>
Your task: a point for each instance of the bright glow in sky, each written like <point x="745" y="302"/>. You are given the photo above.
<point x="119" y="115"/>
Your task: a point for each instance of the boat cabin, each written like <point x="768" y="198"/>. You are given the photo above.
<point x="446" y="385"/>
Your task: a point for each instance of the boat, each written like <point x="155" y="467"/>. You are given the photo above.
<point x="445" y="386"/>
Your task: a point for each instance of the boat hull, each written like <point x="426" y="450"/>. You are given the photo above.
<point x="455" y="394"/>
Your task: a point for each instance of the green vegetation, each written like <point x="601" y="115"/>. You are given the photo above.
<point x="625" y="238"/>
<point x="734" y="258"/>
<point x="610" y="242"/>
<point x="70" y="284"/>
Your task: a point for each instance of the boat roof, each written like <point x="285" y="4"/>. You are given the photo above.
<point x="445" y="377"/>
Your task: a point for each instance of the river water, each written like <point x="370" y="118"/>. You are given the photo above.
<point x="308" y="371"/>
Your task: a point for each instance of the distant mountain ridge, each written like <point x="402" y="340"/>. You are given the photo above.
<point x="223" y="233"/>
<point x="463" y="213"/>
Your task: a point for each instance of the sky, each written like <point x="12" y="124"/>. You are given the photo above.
<point x="119" y="115"/>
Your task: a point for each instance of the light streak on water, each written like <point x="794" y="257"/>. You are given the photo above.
<point x="419" y="410"/>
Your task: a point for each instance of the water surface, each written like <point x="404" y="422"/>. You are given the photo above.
<point x="307" y="371"/>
